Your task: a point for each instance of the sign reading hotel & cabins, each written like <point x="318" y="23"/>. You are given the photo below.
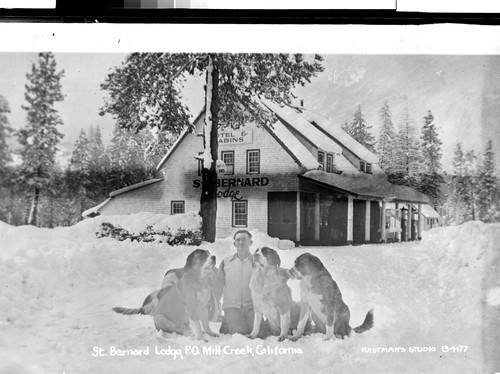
<point x="235" y="137"/>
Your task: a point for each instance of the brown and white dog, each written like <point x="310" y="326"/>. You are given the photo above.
<point x="321" y="297"/>
<point x="271" y="295"/>
<point x="186" y="298"/>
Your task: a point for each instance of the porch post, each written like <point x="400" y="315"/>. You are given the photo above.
<point x="383" y="236"/>
<point x="297" y="229"/>
<point x="367" y="221"/>
<point x="398" y="223"/>
<point x="408" y="223"/>
<point x="350" y="214"/>
<point x="317" y="218"/>
<point x="419" y="225"/>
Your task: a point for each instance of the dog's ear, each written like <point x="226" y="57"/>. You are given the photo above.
<point x="197" y="256"/>
<point x="272" y="256"/>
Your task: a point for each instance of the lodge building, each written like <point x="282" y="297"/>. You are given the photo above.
<point x="302" y="178"/>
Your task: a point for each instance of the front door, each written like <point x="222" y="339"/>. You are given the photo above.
<point x="282" y="215"/>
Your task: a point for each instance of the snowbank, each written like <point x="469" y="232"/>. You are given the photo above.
<point x="58" y="287"/>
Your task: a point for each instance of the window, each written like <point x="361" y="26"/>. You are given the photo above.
<point x="321" y="160"/>
<point x="228" y="158"/>
<point x="200" y="166"/>
<point x="253" y="161"/>
<point x="329" y="163"/>
<point x="240" y="213"/>
<point x="362" y="166"/>
<point x="369" y="168"/>
<point x="177" y="207"/>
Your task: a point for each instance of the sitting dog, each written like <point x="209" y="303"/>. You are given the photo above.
<point x="271" y="296"/>
<point x="185" y="299"/>
<point x="321" y="296"/>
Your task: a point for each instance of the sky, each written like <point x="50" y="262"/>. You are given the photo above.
<point x="459" y="90"/>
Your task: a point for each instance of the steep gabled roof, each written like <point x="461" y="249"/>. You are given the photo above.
<point x="290" y="117"/>
<point x="179" y="140"/>
<point x="334" y="131"/>
<point x="292" y="145"/>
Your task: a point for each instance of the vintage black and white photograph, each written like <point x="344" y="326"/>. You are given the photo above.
<point x="274" y="209"/>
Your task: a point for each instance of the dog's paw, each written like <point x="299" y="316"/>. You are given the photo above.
<point x="281" y="338"/>
<point x="328" y="337"/>
<point x="294" y="338"/>
<point x="213" y="334"/>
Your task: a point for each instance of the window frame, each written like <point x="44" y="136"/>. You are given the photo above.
<point x="362" y="166"/>
<point x="248" y="161"/>
<point x="222" y="153"/>
<point x="329" y="156"/>
<point x="183" y="202"/>
<point x="321" y="163"/>
<point x="368" y="168"/>
<point x="233" y="218"/>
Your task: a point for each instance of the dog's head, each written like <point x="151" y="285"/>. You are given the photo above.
<point x="201" y="262"/>
<point x="306" y="264"/>
<point x="265" y="256"/>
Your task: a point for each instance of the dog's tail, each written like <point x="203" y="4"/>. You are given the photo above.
<point x="128" y="311"/>
<point x="367" y="324"/>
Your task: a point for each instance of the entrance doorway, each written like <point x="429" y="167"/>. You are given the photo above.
<point x="282" y="215"/>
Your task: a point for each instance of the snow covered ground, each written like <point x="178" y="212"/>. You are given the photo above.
<point x="57" y="288"/>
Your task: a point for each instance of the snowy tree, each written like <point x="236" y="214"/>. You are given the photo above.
<point x="488" y="187"/>
<point x="387" y="140"/>
<point x="40" y="137"/>
<point x="127" y="154"/>
<point x="78" y="175"/>
<point x="360" y="130"/>
<point x="431" y="179"/>
<point x="407" y="155"/>
<point x="144" y="92"/>
<point x="5" y="131"/>
<point x="460" y="204"/>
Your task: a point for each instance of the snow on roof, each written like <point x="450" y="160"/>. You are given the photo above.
<point x="292" y="118"/>
<point x="368" y="185"/>
<point x="340" y="135"/>
<point x="134" y="187"/>
<point x="95" y="209"/>
<point x="293" y="145"/>
<point x="429" y="212"/>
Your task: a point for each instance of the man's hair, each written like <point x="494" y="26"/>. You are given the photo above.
<point x="242" y="232"/>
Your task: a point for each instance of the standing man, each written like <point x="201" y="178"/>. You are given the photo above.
<point x="234" y="277"/>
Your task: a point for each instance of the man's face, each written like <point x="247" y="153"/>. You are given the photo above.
<point x="242" y="242"/>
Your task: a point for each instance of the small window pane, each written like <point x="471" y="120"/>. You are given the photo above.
<point x="362" y="166"/>
<point x="321" y="160"/>
<point x="329" y="163"/>
<point x="369" y="168"/>
<point x="253" y="162"/>
<point x="240" y="213"/>
<point x="228" y="159"/>
<point x="177" y="207"/>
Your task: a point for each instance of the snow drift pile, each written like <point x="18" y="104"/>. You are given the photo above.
<point x="58" y="287"/>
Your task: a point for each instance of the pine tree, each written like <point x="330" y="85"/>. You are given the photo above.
<point x="5" y="131"/>
<point x="360" y="130"/>
<point x="431" y="178"/>
<point x="460" y="205"/>
<point x="143" y="93"/>
<point x="407" y="155"/>
<point x="387" y="140"/>
<point x="40" y="137"/>
<point x="488" y="191"/>
<point x="78" y="176"/>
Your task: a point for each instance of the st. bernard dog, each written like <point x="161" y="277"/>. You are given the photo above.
<point x="271" y="295"/>
<point x="186" y="299"/>
<point x="321" y="296"/>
